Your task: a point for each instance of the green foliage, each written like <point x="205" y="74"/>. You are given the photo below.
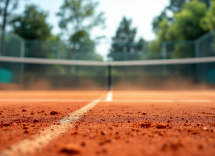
<point x="81" y="43"/>
<point x="175" y="6"/>
<point x="178" y="5"/>
<point x="208" y="22"/>
<point x="182" y="50"/>
<point x="186" y="25"/>
<point x="32" y="24"/>
<point x="53" y="38"/>
<point x="82" y="47"/>
<point x="164" y="28"/>
<point x="79" y="17"/>
<point x="80" y="36"/>
<point x="158" y="19"/>
<point x="125" y="33"/>
<point x="124" y="42"/>
<point x="192" y="21"/>
<point x="155" y="46"/>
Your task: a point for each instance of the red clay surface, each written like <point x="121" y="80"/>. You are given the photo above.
<point x="165" y="95"/>
<point x="117" y="128"/>
<point x="19" y="120"/>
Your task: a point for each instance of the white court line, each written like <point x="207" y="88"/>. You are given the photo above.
<point x="41" y="139"/>
<point x="195" y="101"/>
<point x="108" y="99"/>
<point x="169" y="101"/>
<point x="46" y="100"/>
<point x="109" y="96"/>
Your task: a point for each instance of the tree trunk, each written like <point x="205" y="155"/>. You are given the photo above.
<point x="3" y="30"/>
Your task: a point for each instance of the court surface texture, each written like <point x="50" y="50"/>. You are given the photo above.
<point x="108" y="123"/>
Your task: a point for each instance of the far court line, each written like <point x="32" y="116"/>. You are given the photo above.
<point x="46" y="100"/>
<point x="196" y="101"/>
<point x="108" y="99"/>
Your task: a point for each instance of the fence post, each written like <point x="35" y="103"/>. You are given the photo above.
<point x="56" y="50"/>
<point x="164" y="55"/>
<point x="22" y="66"/>
<point x="201" y="73"/>
<point x="197" y="48"/>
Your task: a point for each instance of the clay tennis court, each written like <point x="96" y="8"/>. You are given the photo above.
<point x="107" y="123"/>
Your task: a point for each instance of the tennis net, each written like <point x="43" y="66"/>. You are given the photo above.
<point x="37" y="73"/>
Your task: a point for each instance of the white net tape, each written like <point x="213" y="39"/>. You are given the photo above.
<point x="115" y="63"/>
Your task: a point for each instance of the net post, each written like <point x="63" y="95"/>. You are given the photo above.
<point x="109" y="77"/>
<point x="198" y="70"/>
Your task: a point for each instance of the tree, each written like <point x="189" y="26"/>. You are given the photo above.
<point x="77" y="19"/>
<point x="82" y="42"/>
<point x="6" y="9"/>
<point x="208" y="22"/>
<point x="158" y="19"/>
<point x="78" y="16"/>
<point x="177" y="5"/>
<point x="123" y="43"/>
<point x="186" y="25"/>
<point x="32" y="24"/>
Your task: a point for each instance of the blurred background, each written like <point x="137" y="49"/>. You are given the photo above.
<point x="107" y="31"/>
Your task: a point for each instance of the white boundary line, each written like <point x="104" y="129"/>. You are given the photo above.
<point x="109" y="96"/>
<point x="168" y="101"/>
<point x="108" y="99"/>
<point x="147" y="100"/>
<point x="46" y="100"/>
<point x="196" y="101"/>
<point x="42" y="138"/>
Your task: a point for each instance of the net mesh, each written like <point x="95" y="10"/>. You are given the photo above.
<point x="56" y="76"/>
<point x="191" y="73"/>
<point x="174" y="76"/>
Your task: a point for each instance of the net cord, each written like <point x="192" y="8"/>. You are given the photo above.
<point x="100" y="63"/>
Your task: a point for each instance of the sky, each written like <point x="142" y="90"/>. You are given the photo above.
<point x="141" y="12"/>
